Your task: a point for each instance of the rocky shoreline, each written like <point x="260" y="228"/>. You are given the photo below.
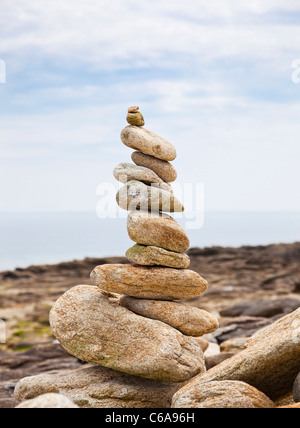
<point x="250" y="288"/>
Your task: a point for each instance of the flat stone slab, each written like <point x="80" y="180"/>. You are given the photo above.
<point x="136" y="195"/>
<point x="270" y="363"/>
<point x="156" y="283"/>
<point x="98" y="330"/>
<point x="158" y="230"/>
<point x="148" y="142"/>
<point x="187" y="319"/>
<point x="98" y="387"/>
<point x="163" y="169"/>
<point x="155" y="256"/>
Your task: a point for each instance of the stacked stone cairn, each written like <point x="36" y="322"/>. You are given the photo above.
<point x="132" y="322"/>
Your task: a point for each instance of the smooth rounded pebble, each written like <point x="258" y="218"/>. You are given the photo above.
<point x="155" y="256"/>
<point x="48" y="401"/>
<point x="222" y="395"/>
<point x="138" y="196"/>
<point x="148" y="142"/>
<point x="135" y="118"/>
<point x="96" y="387"/>
<point x="126" y="172"/>
<point x="187" y="319"/>
<point x="158" y="230"/>
<point x="163" y="169"/>
<point x="156" y="283"/>
<point x="99" y="331"/>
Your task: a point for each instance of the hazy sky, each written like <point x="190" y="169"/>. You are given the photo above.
<point x="213" y="77"/>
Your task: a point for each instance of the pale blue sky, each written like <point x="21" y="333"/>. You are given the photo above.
<point x="212" y="77"/>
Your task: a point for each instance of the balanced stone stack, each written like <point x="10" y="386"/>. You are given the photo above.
<point x="132" y="322"/>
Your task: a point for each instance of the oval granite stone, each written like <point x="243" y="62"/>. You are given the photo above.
<point x="97" y="330"/>
<point x="163" y="169"/>
<point x="187" y="319"/>
<point x="158" y="230"/>
<point x="149" y="282"/>
<point x="148" y="142"/>
<point x="137" y="196"/>
<point x="155" y="256"/>
<point x="126" y="172"/>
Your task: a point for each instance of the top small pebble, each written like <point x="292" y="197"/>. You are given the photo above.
<point x="135" y="117"/>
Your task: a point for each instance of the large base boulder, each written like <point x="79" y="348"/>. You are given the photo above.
<point x="98" y="387"/>
<point x="98" y="330"/>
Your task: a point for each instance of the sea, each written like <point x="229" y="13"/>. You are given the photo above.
<point x="52" y="237"/>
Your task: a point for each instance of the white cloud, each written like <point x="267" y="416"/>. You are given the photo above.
<point x="59" y="139"/>
<point x="112" y="34"/>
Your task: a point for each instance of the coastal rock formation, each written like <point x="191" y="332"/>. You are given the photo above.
<point x="262" y="308"/>
<point x="235" y="274"/>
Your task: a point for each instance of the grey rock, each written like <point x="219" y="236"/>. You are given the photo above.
<point x="262" y="308"/>
<point x="297" y="389"/>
